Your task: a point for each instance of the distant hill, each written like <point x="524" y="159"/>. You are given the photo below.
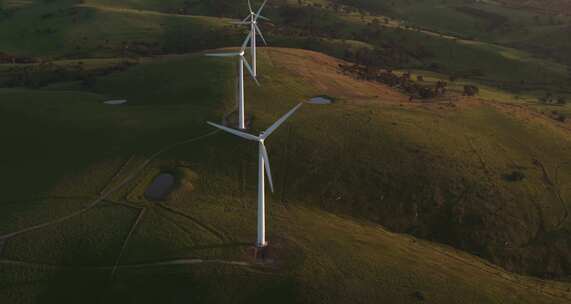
<point x="546" y="6"/>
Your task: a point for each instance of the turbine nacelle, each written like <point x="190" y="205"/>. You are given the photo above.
<point x="239" y="54"/>
<point x="253" y="16"/>
<point x="260" y="139"/>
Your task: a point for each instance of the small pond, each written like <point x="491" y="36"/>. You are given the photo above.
<point x="160" y="188"/>
<point x="321" y="100"/>
<point x="115" y="102"/>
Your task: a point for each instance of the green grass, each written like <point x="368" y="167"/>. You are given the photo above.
<point x="95" y="239"/>
<point x="341" y="171"/>
<point x="76" y="132"/>
<point x="64" y="29"/>
<point x="432" y="171"/>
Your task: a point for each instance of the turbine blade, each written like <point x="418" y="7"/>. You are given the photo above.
<point x="239" y="22"/>
<point x="264" y="18"/>
<point x="267" y="166"/>
<point x="223" y="54"/>
<point x="250" y="6"/>
<point x="251" y="71"/>
<point x="280" y="121"/>
<point x="260" y="33"/>
<point x="235" y="132"/>
<point x="246" y="18"/>
<point x="245" y="44"/>
<point x="260" y="9"/>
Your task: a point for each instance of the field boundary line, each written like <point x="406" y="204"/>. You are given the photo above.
<point x="106" y="194"/>
<point x="195" y="221"/>
<point x="126" y="241"/>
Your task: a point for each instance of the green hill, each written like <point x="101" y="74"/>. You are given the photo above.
<point x="69" y="29"/>
<point x="449" y="200"/>
<point x="76" y="226"/>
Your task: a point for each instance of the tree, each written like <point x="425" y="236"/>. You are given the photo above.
<point x="471" y="90"/>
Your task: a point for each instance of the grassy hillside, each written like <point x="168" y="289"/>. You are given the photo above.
<point x="68" y="28"/>
<point x="474" y="191"/>
<point x="453" y="167"/>
<point x="437" y="171"/>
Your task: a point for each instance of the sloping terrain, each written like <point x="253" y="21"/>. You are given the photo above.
<point x="479" y="187"/>
<point x="71" y="29"/>
<point x="76" y="226"/>
<point x="489" y="178"/>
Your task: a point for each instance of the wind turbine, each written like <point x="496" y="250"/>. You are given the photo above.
<point x="241" y="63"/>
<point x="252" y="20"/>
<point x="263" y="169"/>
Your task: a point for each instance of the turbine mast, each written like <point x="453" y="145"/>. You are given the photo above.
<point x="253" y="46"/>
<point x="241" y="122"/>
<point x="261" y="242"/>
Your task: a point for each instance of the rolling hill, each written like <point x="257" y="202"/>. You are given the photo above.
<point x="453" y="199"/>
<point x="78" y="227"/>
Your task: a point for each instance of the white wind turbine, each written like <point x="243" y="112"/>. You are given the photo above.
<point x="252" y="20"/>
<point x="241" y="63"/>
<point x="263" y="169"/>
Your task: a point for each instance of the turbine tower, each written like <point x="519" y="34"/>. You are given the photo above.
<point x="241" y="63"/>
<point x="252" y="20"/>
<point x="263" y="169"/>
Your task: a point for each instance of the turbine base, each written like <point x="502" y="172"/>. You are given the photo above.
<point x="261" y="253"/>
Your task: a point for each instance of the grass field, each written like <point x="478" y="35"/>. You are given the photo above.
<point x="410" y="174"/>
<point x="456" y="200"/>
<point x="64" y="29"/>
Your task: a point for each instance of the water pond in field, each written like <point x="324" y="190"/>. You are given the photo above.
<point x="160" y="188"/>
<point x="115" y="102"/>
<point x="321" y="100"/>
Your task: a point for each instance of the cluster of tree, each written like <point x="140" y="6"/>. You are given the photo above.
<point x="373" y="6"/>
<point x="209" y="7"/>
<point x="13" y="59"/>
<point x="558" y="116"/>
<point x="471" y="90"/>
<point x="549" y="98"/>
<point x="403" y="82"/>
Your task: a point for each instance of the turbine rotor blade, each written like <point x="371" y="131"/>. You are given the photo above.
<point x="235" y="132"/>
<point x="223" y="54"/>
<point x="264" y="18"/>
<point x="247" y="17"/>
<point x="250" y="6"/>
<point x="260" y="33"/>
<point x="245" y="44"/>
<point x="267" y="165"/>
<point x="279" y="122"/>
<point x="260" y="9"/>
<point x="239" y="22"/>
<point x="250" y="70"/>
